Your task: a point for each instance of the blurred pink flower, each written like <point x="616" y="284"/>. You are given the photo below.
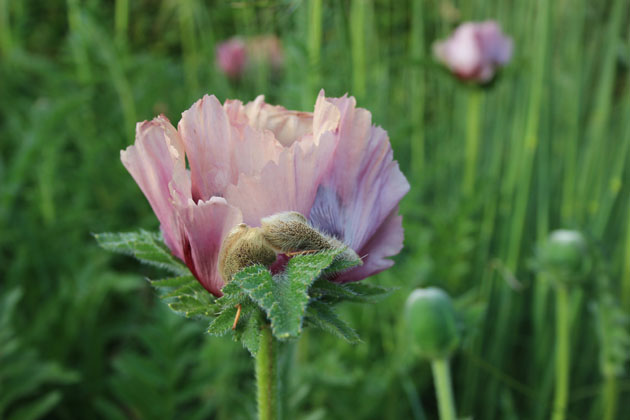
<point x="235" y="55"/>
<point x="255" y="160"/>
<point x="231" y="57"/>
<point x="475" y="50"/>
<point x="266" y="50"/>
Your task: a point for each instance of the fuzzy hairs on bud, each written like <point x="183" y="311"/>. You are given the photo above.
<point x="244" y="246"/>
<point x="290" y="232"/>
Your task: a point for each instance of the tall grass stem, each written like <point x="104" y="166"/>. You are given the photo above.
<point x="417" y="88"/>
<point x="357" y="27"/>
<point x="121" y="20"/>
<point x="314" y="45"/>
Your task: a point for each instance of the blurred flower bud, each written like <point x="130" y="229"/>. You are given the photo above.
<point x="475" y="51"/>
<point x="266" y="50"/>
<point x="244" y="246"/>
<point x="231" y="57"/>
<point x="431" y="324"/>
<point x="564" y="256"/>
<point x="237" y="55"/>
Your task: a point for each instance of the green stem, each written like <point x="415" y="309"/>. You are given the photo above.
<point x="121" y="20"/>
<point x="562" y="353"/>
<point x="357" y="38"/>
<point x="267" y="376"/>
<point x="314" y="47"/>
<point x="443" y="388"/>
<point x="186" y="17"/>
<point x="417" y="88"/>
<point x="473" y="123"/>
<point x="5" y="28"/>
<point x="610" y="397"/>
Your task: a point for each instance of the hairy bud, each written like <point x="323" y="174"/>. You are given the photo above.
<point x="244" y="246"/>
<point x="290" y="232"/>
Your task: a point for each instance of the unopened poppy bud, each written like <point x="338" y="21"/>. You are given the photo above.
<point x="289" y="232"/>
<point x="564" y="256"/>
<point x="244" y="246"/>
<point x="431" y="324"/>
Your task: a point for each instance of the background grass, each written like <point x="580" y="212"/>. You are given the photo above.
<point x="492" y="172"/>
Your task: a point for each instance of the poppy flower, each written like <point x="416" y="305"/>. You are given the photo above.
<point x="233" y="163"/>
<point x="475" y="51"/>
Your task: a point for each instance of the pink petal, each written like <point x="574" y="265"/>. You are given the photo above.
<point x="288" y="185"/>
<point x="207" y="134"/>
<point x="204" y="226"/>
<point x="386" y="242"/>
<point x="287" y="126"/>
<point x="153" y="161"/>
<point x="362" y="188"/>
<point x="221" y="146"/>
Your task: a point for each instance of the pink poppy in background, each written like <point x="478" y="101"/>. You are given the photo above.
<point x="475" y="50"/>
<point x="231" y="57"/>
<point x="236" y="55"/>
<point x="266" y="50"/>
<point x="249" y="161"/>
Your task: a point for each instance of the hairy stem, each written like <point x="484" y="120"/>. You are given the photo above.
<point x="267" y="376"/>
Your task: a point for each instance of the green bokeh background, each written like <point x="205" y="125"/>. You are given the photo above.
<point x="492" y="171"/>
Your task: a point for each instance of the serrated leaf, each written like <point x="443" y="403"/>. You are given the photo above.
<point x="232" y="295"/>
<point x="184" y="285"/>
<point x="251" y="334"/>
<point x="186" y="296"/>
<point x="365" y="292"/>
<point x="322" y="316"/>
<point x="192" y="307"/>
<point x="354" y="292"/>
<point x="284" y="297"/>
<point x="223" y="322"/>
<point x="342" y="264"/>
<point x="146" y="246"/>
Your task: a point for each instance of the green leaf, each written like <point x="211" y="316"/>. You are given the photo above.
<point x="222" y="324"/>
<point x="251" y="334"/>
<point x="191" y="307"/>
<point x="177" y="286"/>
<point x="354" y="292"/>
<point x="321" y="315"/>
<point x="186" y="296"/>
<point x="284" y="297"/>
<point x="146" y="246"/>
<point x="365" y="292"/>
<point x="343" y="262"/>
<point x="38" y="408"/>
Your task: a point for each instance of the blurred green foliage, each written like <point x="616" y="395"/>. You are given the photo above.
<point x="549" y="147"/>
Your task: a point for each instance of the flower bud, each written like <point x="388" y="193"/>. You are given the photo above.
<point x="231" y="57"/>
<point x="290" y="232"/>
<point x="564" y="256"/>
<point x="244" y="246"/>
<point x="475" y="51"/>
<point x="430" y="323"/>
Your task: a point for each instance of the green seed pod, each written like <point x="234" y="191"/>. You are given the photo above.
<point x="430" y="323"/>
<point x="244" y="246"/>
<point x="564" y="256"/>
